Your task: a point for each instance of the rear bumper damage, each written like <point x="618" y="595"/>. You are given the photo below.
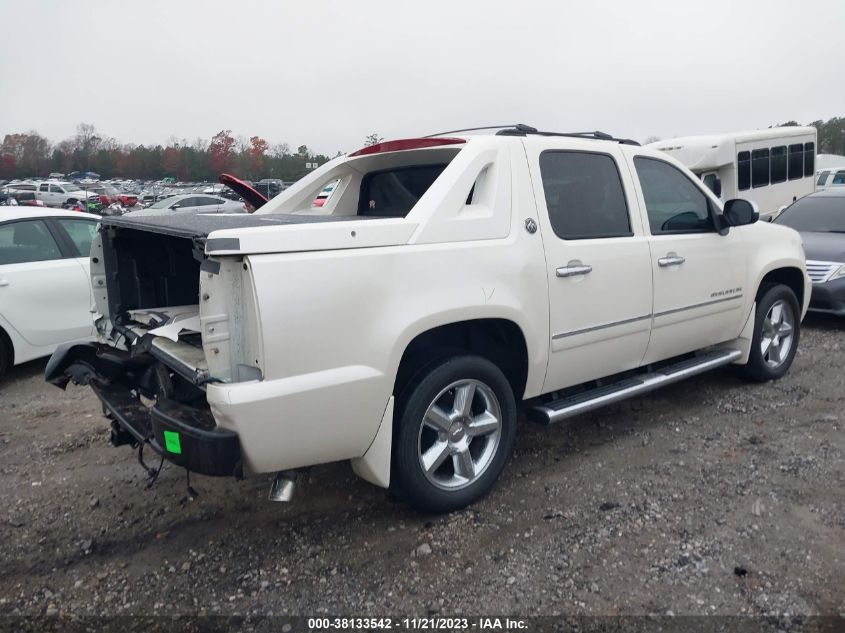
<point x="177" y="424"/>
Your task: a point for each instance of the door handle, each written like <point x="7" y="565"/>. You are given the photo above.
<point x="4" y="282"/>
<point x="670" y="260"/>
<point x="573" y="271"/>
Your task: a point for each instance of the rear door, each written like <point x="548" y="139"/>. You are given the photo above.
<point x="208" y="204"/>
<point x="597" y="259"/>
<point x="44" y="291"/>
<point x="698" y="273"/>
<point x="57" y="196"/>
<point x="43" y="193"/>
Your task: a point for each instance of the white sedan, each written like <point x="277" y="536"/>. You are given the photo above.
<point x="45" y="290"/>
<point x="192" y="203"/>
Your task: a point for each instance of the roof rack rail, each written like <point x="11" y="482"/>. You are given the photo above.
<point x="521" y="129"/>
<point x="475" y="129"/>
<point x="524" y="130"/>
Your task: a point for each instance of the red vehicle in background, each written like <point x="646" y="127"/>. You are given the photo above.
<point x="109" y="195"/>
<point x="127" y="199"/>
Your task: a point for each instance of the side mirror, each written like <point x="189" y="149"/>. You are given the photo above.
<point x="739" y="212"/>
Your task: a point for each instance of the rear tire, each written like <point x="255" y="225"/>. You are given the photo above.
<point x="777" y="330"/>
<point x="455" y="425"/>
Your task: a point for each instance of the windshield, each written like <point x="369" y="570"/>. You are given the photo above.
<point x="162" y="204"/>
<point x="821" y="214"/>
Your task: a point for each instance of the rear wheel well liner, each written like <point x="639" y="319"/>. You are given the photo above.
<point x="501" y="341"/>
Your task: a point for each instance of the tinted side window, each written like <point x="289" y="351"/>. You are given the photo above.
<point x="839" y="178"/>
<point x="28" y="241"/>
<point x="81" y="233"/>
<point x="809" y="158"/>
<point x="822" y="177"/>
<point x="393" y="193"/>
<point x="673" y="203"/>
<point x="743" y="171"/>
<point x="44" y="187"/>
<point x="778" y="164"/>
<point x="796" y="161"/>
<point x="759" y="167"/>
<point x="714" y="183"/>
<point x="584" y="195"/>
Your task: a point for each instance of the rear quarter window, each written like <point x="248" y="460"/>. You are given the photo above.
<point x="393" y="193"/>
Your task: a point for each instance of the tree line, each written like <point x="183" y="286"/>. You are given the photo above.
<point x="31" y="155"/>
<point x="831" y="135"/>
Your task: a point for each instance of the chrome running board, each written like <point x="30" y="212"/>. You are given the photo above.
<point x="557" y="410"/>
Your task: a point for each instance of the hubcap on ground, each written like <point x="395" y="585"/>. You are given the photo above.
<point x="778" y="329"/>
<point x="459" y="434"/>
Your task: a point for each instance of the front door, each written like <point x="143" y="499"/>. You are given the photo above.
<point x="698" y="273"/>
<point x="597" y="260"/>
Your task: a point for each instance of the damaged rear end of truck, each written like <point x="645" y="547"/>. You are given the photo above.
<point x="170" y="320"/>
<point x="239" y="344"/>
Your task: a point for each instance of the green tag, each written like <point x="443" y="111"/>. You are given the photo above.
<point x="172" y="443"/>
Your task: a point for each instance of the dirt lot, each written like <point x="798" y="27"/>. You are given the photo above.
<point x="709" y="497"/>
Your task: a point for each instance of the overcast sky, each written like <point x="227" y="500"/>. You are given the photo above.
<point x="326" y="74"/>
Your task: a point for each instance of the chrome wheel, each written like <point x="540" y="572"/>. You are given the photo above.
<point x="776" y="339"/>
<point x="459" y="434"/>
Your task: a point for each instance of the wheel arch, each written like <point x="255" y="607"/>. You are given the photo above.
<point x="790" y="276"/>
<point x="6" y="341"/>
<point x="499" y="340"/>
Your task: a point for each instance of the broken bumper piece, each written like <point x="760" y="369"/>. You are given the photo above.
<point x="186" y="435"/>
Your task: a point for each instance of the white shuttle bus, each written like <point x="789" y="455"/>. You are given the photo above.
<point x="772" y="167"/>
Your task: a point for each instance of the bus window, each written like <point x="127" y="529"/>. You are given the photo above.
<point x="743" y="171"/>
<point x="822" y="177"/>
<point x="778" y="164"/>
<point x="809" y="159"/>
<point x="760" y="167"/>
<point x="796" y="161"/>
<point x="713" y="182"/>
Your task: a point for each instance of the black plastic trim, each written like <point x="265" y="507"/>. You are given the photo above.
<point x="222" y="244"/>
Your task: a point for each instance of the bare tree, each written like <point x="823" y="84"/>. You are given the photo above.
<point x="86" y="141"/>
<point x="373" y="139"/>
<point x="279" y="150"/>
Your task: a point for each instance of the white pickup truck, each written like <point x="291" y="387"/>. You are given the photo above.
<point x="445" y="281"/>
<point x="57" y="193"/>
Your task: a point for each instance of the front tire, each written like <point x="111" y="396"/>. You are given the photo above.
<point x="455" y="427"/>
<point x="777" y="329"/>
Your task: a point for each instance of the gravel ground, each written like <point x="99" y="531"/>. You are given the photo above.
<point x="708" y="497"/>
